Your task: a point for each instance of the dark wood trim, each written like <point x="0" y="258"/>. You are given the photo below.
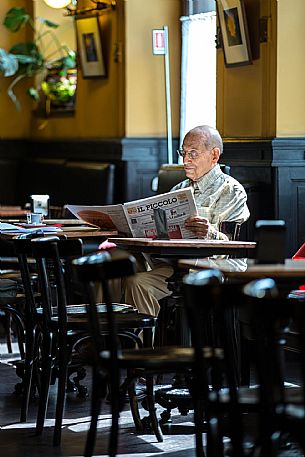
<point x="13" y="149"/>
<point x="275" y="170"/>
<point x="136" y="160"/>
<point x="288" y="152"/>
<point x="253" y="153"/>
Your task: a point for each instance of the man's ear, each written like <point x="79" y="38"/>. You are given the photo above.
<point x="216" y="154"/>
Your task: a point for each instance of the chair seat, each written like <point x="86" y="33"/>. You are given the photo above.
<point x="101" y="308"/>
<point x="166" y="358"/>
<point x="126" y="321"/>
<point x="81" y="309"/>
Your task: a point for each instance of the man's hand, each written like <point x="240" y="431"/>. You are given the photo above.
<point x="198" y="225"/>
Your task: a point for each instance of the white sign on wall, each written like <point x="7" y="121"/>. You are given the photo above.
<point x="160" y="47"/>
<point x="159" y="43"/>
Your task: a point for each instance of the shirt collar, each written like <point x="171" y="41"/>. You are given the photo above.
<point x="206" y="180"/>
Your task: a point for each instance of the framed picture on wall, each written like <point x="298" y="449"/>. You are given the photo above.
<point x="89" y="47"/>
<point x="234" y="32"/>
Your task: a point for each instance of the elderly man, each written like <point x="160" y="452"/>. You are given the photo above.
<point x="218" y="198"/>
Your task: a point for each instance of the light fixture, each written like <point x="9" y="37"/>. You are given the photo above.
<point x="99" y="7"/>
<point x="57" y="3"/>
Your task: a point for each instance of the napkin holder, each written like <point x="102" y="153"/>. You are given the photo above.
<point x="270" y="236"/>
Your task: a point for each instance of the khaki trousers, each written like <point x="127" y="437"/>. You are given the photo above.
<point x="143" y="290"/>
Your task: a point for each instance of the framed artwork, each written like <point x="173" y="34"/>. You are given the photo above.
<point x="89" y="47"/>
<point x="234" y="32"/>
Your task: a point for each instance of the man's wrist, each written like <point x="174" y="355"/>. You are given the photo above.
<point x="212" y="233"/>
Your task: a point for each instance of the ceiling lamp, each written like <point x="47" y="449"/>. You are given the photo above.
<point x="57" y="3"/>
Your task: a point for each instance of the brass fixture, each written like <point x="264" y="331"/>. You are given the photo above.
<point x="99" y="6"/>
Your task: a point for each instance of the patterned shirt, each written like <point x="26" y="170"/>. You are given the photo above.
<point x="218" y="197"/>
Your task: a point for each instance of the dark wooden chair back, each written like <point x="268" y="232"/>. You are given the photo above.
<point x="281" y="409"/>
<point x="53" y="257"/>
<point x="102" y="267"/>
<point x="266" y="315"/>
<point x="171" y="174"/>
<point x="67" y="181"/>
<point x="211" y="323"/>
<point x="23" y="250"/>
<point x="213" y="326"/>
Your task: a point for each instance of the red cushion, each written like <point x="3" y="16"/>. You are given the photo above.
<point x="300" y="254"/>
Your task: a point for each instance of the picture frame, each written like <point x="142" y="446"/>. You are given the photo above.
<point x="234" y="32"/>
<point x="89" y="47"/>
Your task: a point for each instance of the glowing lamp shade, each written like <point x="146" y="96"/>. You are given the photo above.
<point x="57" y="3"/>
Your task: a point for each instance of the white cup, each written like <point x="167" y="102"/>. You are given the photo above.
<point x="34" y="218"/>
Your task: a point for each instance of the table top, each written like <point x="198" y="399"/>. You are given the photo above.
<point x="68" y="234"/>
<point x="183" y="248"/>
<point x="247" y="268"/>
<point x="6" y="212"/>
<point x="88" y="234"/>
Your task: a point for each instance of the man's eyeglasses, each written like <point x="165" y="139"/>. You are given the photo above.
<point x="193" y="154"/>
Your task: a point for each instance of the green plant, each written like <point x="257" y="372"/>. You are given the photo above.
<point x="60" y="89"/>
<point x="31" y="59"/>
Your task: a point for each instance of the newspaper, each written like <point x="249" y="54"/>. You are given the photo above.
<point x="7" y="228"/>
<point x="136" y="218"/>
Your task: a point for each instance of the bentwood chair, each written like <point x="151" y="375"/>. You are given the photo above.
<point x="282" y="409"/>
<point x="110" y="360"/>
<point x="23" y="251"/>
<point x="11" y="296"/>
<point x="38" y="328"/>
<point x="274" y="408"/>
<point x="11" y="312"/>
<point x="64" y="324"/>
<point x="210" y="306"/>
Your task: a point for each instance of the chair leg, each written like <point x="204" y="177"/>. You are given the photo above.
<point x="198" y="421"/>
<point x="28" y="373"/>
<point x="214" y="438"/>
<point x="46" y="363"/>
<point x="13" y="315"/>
<point x="63" y="361"/>
<point x="134" y="407"/>
<point x="152" y="409"/>
<point x="99" y="388"/>
<point x="20" y="334"/>
<point x="115" y="411"/>
<point x="129" y="384"/>
<point x="8" y="332"/>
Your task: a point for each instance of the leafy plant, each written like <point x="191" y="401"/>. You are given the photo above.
<point x="30" y="59"/>
<point x="60" y="90"/>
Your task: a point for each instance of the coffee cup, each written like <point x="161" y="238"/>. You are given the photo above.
<point x="34" y="218"/>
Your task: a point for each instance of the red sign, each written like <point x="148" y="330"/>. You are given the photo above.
<point x="159" y="46"/>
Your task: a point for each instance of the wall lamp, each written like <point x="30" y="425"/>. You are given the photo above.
<point x="57" y="4"/>
<point x="99" y="5"/>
